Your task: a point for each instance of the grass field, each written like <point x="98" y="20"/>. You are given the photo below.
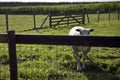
<point x="40" y="62"/>
<point x="24" y="23"/>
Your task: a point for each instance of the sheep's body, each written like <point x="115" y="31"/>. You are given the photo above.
<point x="80" y="31"/>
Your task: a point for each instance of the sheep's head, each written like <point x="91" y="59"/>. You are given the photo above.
<point x="84" y="32"/>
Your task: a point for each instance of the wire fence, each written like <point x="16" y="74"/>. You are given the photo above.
<point x="19" y="22"/>
<point x="99" y="17"/>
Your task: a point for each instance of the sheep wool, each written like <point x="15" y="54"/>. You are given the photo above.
<point x="80" y="31"/>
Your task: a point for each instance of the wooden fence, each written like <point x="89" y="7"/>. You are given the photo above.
<point x="69" y="19"/>
<point x="12" y="40"/>
<point x="55" y="20"/>
<point x="109" y="11"/>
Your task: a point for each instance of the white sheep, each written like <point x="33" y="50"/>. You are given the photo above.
<point x="80" y="31"/>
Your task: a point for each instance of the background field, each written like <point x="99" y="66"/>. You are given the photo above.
<point x="40" y="62"/>
<point x="25" y="23"/>
<point x="28" y="8"/>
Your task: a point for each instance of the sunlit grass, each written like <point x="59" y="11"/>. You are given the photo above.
<point x="43" y="61"/>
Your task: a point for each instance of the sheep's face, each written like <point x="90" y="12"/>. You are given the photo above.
<point x="85" y="32"/>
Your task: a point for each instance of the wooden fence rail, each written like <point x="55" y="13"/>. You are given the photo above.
<point x="69" y="19"/>
<point x="97" y="41"/>
<point x="12" y="40"/>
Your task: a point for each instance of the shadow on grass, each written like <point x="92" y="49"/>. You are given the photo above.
<point x="101" y="76"/>
<point x="96" y="71"/>
<point x="109" y="57"/>
<point x="32" y="29"/>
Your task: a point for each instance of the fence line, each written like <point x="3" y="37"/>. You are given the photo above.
<point x="97" y="41"/>
<point x="34" y="19"/>
<point x="67" y="18"/>
<point x="109" y="14"/>
<point x="7" y="22"/>
<point x="12" y="40"/>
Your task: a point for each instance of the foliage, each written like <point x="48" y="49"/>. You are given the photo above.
<point x="67" y="8"/>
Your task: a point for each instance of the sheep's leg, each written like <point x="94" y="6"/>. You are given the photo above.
<point x="75" y="53"/>
<point x="84" y="55"/>
<point x="78" y="61"/>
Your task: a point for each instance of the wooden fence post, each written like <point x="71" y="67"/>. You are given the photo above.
<point x="12" y="55"/>
<point x="7" y="24"/>
<point x="34" y="19"/>
<point x="87" y="15"/>
<point x="83" y="16"/>
<point x="98" y="12"/>
<point x="44" y="21"/>
<point x="50" y="20"/>
<point x="118" y="14"/>
<point x="109" y="14"/>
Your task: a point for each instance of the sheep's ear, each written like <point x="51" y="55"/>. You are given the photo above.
<point x="91" y="30"/>
<point x="78" y="30"/>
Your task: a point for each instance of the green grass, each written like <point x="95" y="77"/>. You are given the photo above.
<point x="21" y="22"/>
<point x="39" y="62"/>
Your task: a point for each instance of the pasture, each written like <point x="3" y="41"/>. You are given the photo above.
<point x="40" y="62"/>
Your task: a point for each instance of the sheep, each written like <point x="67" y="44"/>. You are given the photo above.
<point x="80" y="31"/>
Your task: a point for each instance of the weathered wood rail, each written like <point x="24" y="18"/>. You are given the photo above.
<point x="69" y="19"/>
<point x="12" y="39"/>
<point x="97" y="41"/>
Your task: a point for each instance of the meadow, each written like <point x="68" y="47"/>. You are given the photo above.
<point x="40" y="62"/>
